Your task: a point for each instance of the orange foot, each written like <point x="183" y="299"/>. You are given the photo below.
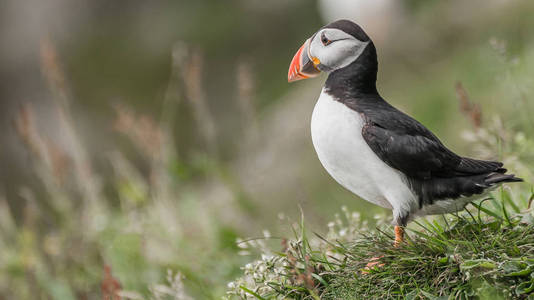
<point x="373" y="263"/>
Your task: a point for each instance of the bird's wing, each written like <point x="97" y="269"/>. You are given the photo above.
<point x="408" y="146"/>
<point x="415" y="155"/>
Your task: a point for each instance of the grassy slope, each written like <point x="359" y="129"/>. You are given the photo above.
<point x="491" y="260"/>
<point x="487" y="253"/>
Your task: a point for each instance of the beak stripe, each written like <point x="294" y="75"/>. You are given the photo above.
<point x="302" y="67"/>
<point x="316" y="61"/>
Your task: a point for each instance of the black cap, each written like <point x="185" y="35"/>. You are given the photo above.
<point x="350" y="28"/>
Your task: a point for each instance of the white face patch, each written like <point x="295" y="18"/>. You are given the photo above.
<point x="339" y="53"/>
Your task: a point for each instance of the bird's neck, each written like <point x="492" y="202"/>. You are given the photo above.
<point x="356" y="79"/>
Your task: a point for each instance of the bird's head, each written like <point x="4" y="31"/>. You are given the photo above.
<point x="333" y="47"/>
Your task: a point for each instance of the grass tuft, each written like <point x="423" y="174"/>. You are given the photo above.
<point x="484" y="253"/>
<point x="468" y="258"/>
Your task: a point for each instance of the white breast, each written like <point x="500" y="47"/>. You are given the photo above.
<point x="337" y="137"/>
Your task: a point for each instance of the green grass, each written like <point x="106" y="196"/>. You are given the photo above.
<point x="469" y="258"/>
<point x="484" y="253"/>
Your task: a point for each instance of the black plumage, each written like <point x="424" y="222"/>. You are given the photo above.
<point x="433" y="171"/>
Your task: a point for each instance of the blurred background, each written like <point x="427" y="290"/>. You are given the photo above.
<point x="145" y="136"/>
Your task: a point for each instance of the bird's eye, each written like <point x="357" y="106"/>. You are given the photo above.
<point x="325" y="40"/>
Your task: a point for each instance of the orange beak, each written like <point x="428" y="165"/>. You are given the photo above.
<point x="302" y="66"/>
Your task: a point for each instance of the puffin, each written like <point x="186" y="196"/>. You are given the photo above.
<point x="375" y="150"/>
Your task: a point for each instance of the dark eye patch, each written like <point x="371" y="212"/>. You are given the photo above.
<point x="325" y="40"/>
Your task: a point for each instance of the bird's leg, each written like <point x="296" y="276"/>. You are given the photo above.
<point x="399" y="235"/>
<point x="400" y="220"/>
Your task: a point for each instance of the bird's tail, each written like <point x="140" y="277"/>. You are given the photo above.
<point x="498" y="177"/>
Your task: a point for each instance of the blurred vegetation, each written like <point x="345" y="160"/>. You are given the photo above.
<point x="143" y="141"/>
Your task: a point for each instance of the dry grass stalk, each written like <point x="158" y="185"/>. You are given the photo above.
<point x="299" y="277"/>
<point x="173" y="289"/>
<point x="50" y="162"/>
<point x="245" y="92"/>
<point x="7" y="220"/>
<point x="192" y="76"/>
<point x="25" y="127"/>
<point x="60" y="161"/>
<point x="152" y="140"/>
<point x="141" y="130"/>
<point x="110" y="287"/>
<point x="52" y="70"/>
<point x="50" y="154"/>
<point x="173" y="91"/>
<point x="471" y="110"/>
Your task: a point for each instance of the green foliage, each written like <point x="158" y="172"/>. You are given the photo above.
<point x="457" y="262"/>
<point x="483" y="254"/>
